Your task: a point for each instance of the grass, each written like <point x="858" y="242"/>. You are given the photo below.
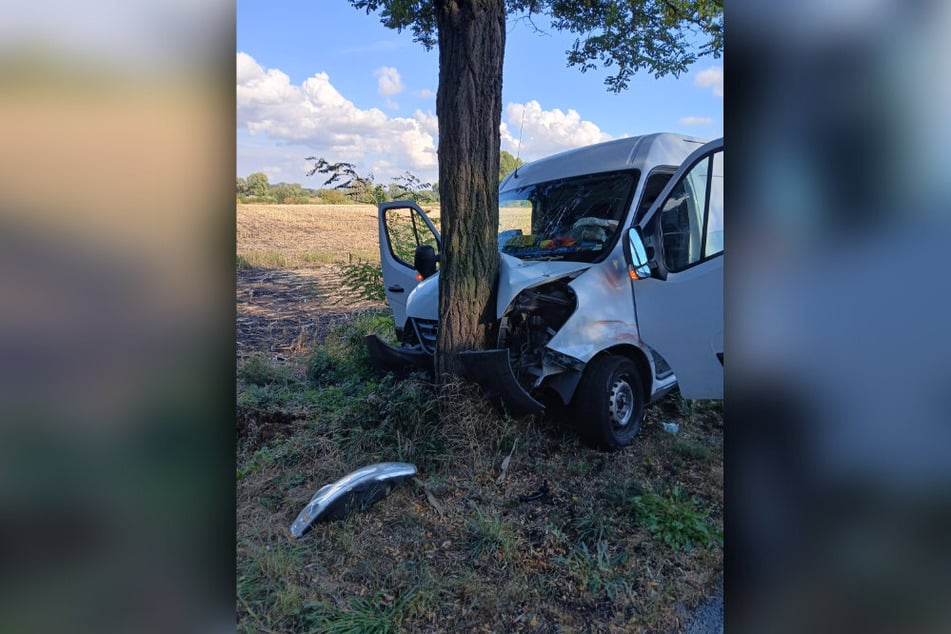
<point x="458" y="550"/>
<point x="616" y="542"/>
<point x="489" y="537"/>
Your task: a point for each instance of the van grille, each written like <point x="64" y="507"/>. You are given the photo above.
<point x="426" y="330"/>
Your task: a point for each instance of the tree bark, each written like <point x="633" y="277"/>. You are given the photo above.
<point x="469" y="107"/>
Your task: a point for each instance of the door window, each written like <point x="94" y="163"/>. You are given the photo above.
<point x="714" y="239"/>
<point x="692" y="216"/>
<point x="406" y="230"/>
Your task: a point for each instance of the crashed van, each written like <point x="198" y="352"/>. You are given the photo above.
<point x="610" y="289"/>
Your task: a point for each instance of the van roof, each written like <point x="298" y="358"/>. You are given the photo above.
<point x="642" y="153"/>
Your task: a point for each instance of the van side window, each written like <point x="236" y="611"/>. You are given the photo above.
<point x="692" y="216"/>
<point x="714" y="241"/>
<point x="655" y="184"/>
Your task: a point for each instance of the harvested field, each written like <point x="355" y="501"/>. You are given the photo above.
<point x="282" y="313"/>
<point x="290" y="256"/>
<point x="307" y="235"/>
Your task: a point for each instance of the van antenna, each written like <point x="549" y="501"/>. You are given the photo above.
<point x="518" y="150"/>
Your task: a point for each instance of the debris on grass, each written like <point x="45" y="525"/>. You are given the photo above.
<point x="357" y="490"/>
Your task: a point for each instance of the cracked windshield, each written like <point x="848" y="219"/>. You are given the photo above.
<point x="574" y="219"/>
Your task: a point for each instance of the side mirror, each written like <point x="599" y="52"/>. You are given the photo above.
<point x="424" y="260"/>
<point x="637" y="255"/>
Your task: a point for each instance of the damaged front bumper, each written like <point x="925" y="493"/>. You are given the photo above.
<point x="388" y="357"/>
<point x="489" y="368"/>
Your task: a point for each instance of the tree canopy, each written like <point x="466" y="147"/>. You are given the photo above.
<point x="658" y="36"/>
<point x="257" y="184"/>
<point x="507" y="164"/>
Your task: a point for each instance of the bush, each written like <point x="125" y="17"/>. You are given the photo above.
<point x="363" y="280"/>
<point x="333" y="197"/>
<point x="257" y="371"/>
<point x="323" y="368"/>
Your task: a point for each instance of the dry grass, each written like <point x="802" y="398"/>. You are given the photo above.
<point x="302" y="236"/>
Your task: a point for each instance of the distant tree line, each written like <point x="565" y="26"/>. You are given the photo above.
<point x="256" y="189"/>
<point x="344" y="185"/>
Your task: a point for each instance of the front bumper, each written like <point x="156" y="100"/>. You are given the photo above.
<point x="491" y="370"/>
<point x="390" y="357"/>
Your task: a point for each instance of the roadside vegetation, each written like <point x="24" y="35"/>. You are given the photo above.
<point x="510" y="525"/>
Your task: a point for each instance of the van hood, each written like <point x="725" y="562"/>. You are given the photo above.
<point x="515" y="275"/>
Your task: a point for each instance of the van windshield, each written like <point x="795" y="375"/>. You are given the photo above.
<point x="575" y="219"/>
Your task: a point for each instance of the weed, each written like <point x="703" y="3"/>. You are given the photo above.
<point x="593" y="526"/>
<point x="257" y="371"/>
<point x="379" y="614"/>
<point x="624" y="496"/>
<point x="487" y="536"/>
<point x="692" y="449"/>
<point x="267" y="585"/>
<point x="242" y="263"/>
<point x="323" y="368"/>
<point x="280" y="452"/>
<point x="596" y="570"/>
<point x="676" y="520"/>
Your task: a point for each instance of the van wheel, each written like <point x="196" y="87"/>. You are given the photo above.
<point x="609" y="404"/>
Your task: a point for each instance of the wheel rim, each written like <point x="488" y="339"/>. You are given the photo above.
<point x="621" y="402"/>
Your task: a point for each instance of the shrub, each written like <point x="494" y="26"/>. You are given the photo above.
<point x="257" y="371"/>
<point x="363" y="280"/>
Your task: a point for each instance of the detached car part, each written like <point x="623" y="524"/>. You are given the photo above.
<point x="357" y="490"/>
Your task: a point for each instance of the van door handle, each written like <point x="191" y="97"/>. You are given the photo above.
<point x="395" y="289"/>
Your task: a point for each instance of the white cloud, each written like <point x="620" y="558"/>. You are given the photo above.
<point x="388" y="81"/>
<point x="711" y="78"/>
<point x="425" y="93"/>
<point x="545" y="132"/>
<point x="696" y="121"/>
<point x="313" y="118"/>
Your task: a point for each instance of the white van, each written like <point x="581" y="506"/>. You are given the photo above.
<point x="610" y="288"/>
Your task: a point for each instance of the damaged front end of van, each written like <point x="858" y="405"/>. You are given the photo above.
<point x="568" y="298"/>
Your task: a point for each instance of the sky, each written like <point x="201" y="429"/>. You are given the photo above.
<point x="324" y="79"/>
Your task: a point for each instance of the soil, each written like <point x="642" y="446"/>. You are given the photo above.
<point x="281" y="313"/>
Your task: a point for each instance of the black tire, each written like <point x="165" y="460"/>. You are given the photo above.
<point x="608" y="406"/>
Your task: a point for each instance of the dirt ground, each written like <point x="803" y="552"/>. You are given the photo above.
<point x="280" y="312"/>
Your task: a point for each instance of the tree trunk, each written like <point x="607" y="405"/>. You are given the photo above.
<point x="469" y="107"/>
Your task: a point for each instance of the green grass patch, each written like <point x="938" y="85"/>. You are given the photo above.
<point x="317" y="257"/>
<point x="264" y="259"/>
<point x="487" y="536"/>
<point x="381" y="613"/>
<point x="677" y="520"/>
<point x="257" y="371"/>
<point x="597" y="569"/>
<point x="692" y="450"/>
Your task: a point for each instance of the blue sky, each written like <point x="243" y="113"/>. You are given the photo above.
<point x="324" y="79"/>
